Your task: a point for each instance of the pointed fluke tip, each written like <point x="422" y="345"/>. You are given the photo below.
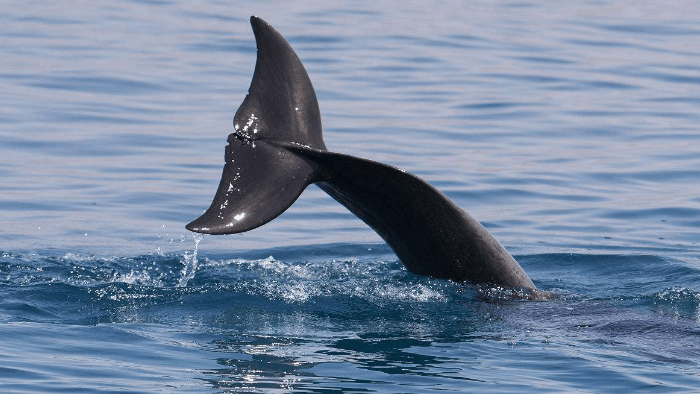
<point x="203" y="225"/>
<point x="210" y="222"/>
<point x="263" y="29"/>
<point x="256" y="22"/>
<point x="197" y="227"/>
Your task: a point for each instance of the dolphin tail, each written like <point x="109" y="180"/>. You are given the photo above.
<point x="261" y="178"/>
<point x="277" y="150"/>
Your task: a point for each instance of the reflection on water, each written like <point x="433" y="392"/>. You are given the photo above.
<point x="569" y="130"/>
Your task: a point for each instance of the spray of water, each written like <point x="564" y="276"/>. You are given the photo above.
<point x="190" y="267"/>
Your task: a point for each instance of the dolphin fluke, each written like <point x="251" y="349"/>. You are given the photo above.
<point x="281" y="103"/>
<point x="260" y="179"/>
<point x="277" y="150"/>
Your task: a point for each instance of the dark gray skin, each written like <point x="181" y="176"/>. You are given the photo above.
<point x="277" y="150"/>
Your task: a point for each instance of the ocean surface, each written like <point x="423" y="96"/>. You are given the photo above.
<point x="571" y="130"/>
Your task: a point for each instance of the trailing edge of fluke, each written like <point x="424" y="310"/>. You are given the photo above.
<point x="277" y="150"/>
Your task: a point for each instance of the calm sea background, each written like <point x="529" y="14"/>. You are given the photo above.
<point x="570" y="129"/>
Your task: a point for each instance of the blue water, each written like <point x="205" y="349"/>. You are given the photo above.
<point x="571" y="130"/>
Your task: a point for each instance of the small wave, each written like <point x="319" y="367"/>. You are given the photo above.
<point x="97" y="84"/>
<point x="301" y="282"/>
<point x="678" y="302"/>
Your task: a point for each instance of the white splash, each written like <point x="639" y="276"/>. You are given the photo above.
<point x="191" y="263"/>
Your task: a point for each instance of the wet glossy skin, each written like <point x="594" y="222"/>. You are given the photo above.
<point x="277" y="150"/>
